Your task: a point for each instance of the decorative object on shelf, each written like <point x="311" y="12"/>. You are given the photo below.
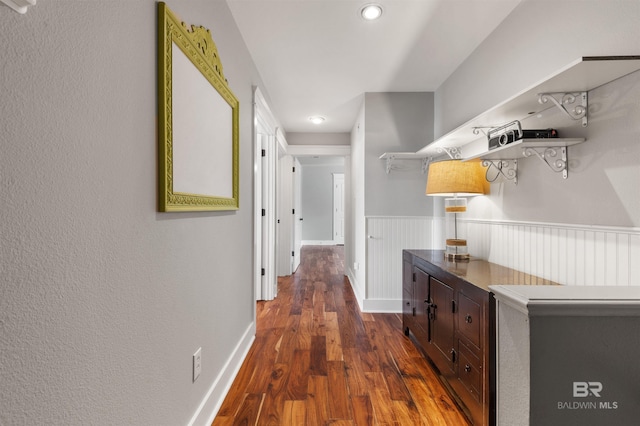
<point x="20" y="6"/>
<point x="508" y="169"/>
<point x="198" y="121"/>
<point x="454" y="179"/>
<point x="498" y="137"/>
<point x="504" y="135"/>
<point x="577" y="113"/>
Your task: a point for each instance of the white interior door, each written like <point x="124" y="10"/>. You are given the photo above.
<point x="284" y="223"/>
<point x="264" y="191"/>
<point x="297" y="218"/>
<point x="338" y="208"/>
<point x="268" y="278"/>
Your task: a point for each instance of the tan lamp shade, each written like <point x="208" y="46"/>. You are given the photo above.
<point x="456" y="177"/>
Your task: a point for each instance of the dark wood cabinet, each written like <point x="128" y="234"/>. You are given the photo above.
<point x="449" y="313"/>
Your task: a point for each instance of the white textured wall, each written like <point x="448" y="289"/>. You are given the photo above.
<point x="103" y="300"/>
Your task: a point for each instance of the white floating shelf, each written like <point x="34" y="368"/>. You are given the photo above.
<point x="20" y="6"/>
<point x="582" y="75"/>
<point x="516" y="149"/>
<point x="403" y="156"/>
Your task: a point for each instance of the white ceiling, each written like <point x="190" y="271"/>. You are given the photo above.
<point x="318" y="57"/>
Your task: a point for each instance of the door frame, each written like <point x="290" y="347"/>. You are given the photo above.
<point x="265" y="170"/>
<point x="266" y="123"/>
<point x="297" y="151"/>
<point x="338" y="179"/>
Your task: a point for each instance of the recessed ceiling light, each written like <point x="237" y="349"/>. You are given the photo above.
<point x="317" y="119"/>
<point x="371" y="12"/>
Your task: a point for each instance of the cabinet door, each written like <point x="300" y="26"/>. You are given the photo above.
<point x="421" y="296"/>
<point x="408" y="304"/>
<point x="441" y="332"/>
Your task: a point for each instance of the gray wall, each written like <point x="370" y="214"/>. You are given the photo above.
<point x="103" y="300"/>
<point x="294" y="138"/>
<point x="605" y="170"/>
<point x="317" y="198"/>
<point x="396" y="122"/>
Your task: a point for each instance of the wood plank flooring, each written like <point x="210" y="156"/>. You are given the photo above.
<point x="317" y="360"/>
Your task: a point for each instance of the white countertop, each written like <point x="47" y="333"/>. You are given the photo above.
<point x="570" y="300"/>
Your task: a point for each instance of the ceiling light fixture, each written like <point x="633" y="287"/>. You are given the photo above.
<point x="371" y="12"/>
<point x="316" y="119"/>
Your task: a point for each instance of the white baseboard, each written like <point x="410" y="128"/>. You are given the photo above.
<point x="382" y="306"/>
<point x="212" y="401"/>
<point x="357" y="290"/>
<point x="387" y="306"/>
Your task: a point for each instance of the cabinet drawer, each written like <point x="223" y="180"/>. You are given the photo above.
<point x="469" y="372"/>
<point x="469" y="319"/>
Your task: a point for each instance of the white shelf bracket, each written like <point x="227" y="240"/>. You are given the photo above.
<point x="508" y="169"/>
<point x="560" y="99"/>
<point x="390" y="163"/>
<point x="425" y="164"/>
<point x="478" y="130"/>
<point x="391" y="158"/>
<point x="454" y="152"/>
<point x="555" y="158"/>
<point x="19" y="6"/>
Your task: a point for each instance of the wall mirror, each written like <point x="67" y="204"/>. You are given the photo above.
<point x="197" y="121"/>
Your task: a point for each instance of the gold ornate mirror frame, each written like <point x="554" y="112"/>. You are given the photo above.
<point x="198" y="167"/>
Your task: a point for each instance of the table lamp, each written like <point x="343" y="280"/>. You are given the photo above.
<point x="454" y="179"/>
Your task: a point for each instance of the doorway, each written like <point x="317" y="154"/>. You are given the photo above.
<point x="338" y="208"/>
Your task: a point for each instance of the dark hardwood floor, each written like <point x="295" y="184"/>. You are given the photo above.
<point x="317" y="360"/>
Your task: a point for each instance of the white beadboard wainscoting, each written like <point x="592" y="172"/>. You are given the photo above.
<point x="387" y="236"/>
<point x="564" y="253"/>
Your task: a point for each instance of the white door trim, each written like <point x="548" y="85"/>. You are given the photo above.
<point x="265" y="128"/>
<point x="338" y="208"/>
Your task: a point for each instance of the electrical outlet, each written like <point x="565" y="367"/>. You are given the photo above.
<point x="197" y="363"/>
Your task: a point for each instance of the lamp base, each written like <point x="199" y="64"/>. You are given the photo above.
<point x="456" y="249"/>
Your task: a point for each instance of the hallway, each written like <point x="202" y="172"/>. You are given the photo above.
<point x="317" y="360"/>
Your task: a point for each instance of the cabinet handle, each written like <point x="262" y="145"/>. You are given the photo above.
<point x="453" y="355"/>
<point x="467" y="368"/>
<point x="468" y="319"/>
<point x="430" y="309"/>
